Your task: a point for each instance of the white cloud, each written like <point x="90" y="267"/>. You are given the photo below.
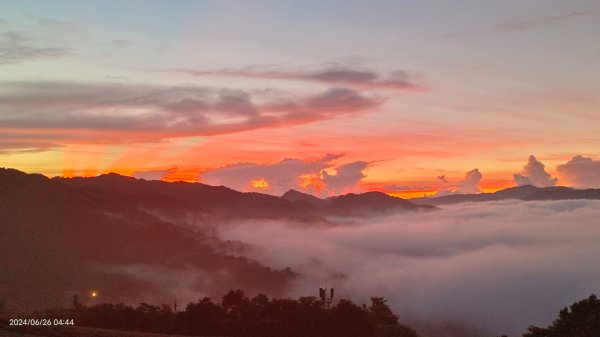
<point x="581" y="172"/>
<point x="471" y="182"/>
<point x="469" y="185"/>
<point x="348" y="177"/>
<point x="534" y="173"/>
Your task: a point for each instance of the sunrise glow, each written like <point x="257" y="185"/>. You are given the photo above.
<point x="210" y="167"/>
<point x="157" y="102"/>
<point x="261" y="184"/>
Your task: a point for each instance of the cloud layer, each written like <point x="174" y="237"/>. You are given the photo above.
<point x="498" y="266"/>
<point x="150" y="113"/>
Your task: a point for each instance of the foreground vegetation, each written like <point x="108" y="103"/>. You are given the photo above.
<point x="239" y="315"/>
<point x="582" y="319"/>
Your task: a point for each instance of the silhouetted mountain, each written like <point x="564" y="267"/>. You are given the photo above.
<point x="370" y="203"/>
<point x="348" y="205"/>
<point x="59" y="238"/>
<point x="203" y="201"/>
<point x="526" y="192"/>
<point x="518" y="192"/>
<point x="121" y="236"/>
<point x="294" y="196"/>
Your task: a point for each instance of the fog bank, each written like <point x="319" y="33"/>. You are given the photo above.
<point x="498" y="266"/>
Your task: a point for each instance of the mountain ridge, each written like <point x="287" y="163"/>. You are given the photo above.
<point x="525" y="193"/>
<point x="58" y="240"/>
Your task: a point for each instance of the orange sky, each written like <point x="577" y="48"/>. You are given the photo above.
<point x="401" y="106"/>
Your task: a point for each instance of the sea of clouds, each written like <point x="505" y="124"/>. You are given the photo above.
<point x="497" y="267"/>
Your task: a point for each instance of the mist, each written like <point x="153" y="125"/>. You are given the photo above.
<point x="497" y="267"/>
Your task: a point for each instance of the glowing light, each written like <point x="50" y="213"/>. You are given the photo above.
<point x="260" y="184"/>
<point x="90" y="172"/>
<point x="68" y="173"/>
<point x="177" y="174"/>
<point x="312" y="180"/>
<point x="94" y="294"/>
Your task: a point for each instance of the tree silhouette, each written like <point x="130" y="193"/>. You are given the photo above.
<point x="239" y="316"/>
<point x="582" y="319"/>
<point x="385" y="322"/>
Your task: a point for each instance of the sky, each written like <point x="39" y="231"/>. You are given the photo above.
<point x="411" y="98"/>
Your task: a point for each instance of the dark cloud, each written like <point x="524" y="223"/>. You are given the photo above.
<point x="333" y="75"/>
<point x="534" y="173"/>
<point x="155" y="112"/>
<point x="581" y="172"/>
<point x="499" y="266"/>
<point x="16" y="47"/>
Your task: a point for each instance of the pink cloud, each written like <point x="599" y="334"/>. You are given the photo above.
<point x="534" y="173"/>
<point x="581" y="171"/>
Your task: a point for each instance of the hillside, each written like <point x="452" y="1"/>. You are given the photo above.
<point x="299" y="197"/>
<point x="370" y="203"/>
<point x="211" y="202"/>
<point x="526" y="192"/>
<point x="351" y="204"/>
<point x="131" y="239"/>
<point x="58" y="239"/>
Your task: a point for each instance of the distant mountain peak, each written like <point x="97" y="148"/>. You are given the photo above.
<point x="369" y="203"/>
<point x="297" y="196"/>
<point x="295" y="193"/>
<point x="292" y="191"/>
